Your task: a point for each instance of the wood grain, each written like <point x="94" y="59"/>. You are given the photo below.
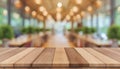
<point x="29" y="59"/>
<point x="45" y="59"/>
<point x="60" y="58"/>
<point x="110" y="53"/>
<point x="10" y="61"/>
<point x="75" y="59"/>
<point x="9" y="53"/>
<point x="109" y="62"/>
<point x="92" y="60"/>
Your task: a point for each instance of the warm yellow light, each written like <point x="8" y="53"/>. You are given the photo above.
<point x="38" y="1"/>
<point x="59" y="4"/>
<point x="5" y="12"/>
<point x="90" y="9"/>
<point x="41" y="8"/>
<point x="34" y="13"/>
<point x="75" y="9"/>
<point x="18" y="3"/>
<point x="68" y="17"/>
<point x="45" y="13"/>
<point x="99" y="3"/>
<point x="79" y="1"/>
<point x="27" y="9"/>
<point x="82" y="13"/>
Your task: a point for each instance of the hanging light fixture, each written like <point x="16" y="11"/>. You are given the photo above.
<point x="59" y="4"/>
<point x="98" y="3"/>
<point x="79" y="1"/>
<point x="17" y="4"/>
<point x="34" y="13"/>
<point x="38" y="2"/>
<point x="27" y="9"/>
<point x="45" y="13"/>
<point x="75" y="9"/>
<point x="90" y="9"/>
<point x="42" y="8"/>
<point x="68" y="17"/>
<point x="82" y="13"/>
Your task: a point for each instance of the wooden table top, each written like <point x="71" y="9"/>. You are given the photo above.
<point x="60" y="58"/>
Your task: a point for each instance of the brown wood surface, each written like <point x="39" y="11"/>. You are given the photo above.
<point x="109" y="62"/>
<point x="75" y="59"/>
<point x="59" y="58"/>
<point x="110" y="53"/>
<point x="92" y="60"/>
<point x="11" y="60"/>
<point x="29" y="59"/>
<point x="45" y="59"/>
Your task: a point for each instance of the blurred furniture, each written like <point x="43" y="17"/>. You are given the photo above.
<point x="20" y="41"/>
<point x="88" y="41"/>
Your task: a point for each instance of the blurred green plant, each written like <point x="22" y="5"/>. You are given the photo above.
<point x="114" y="32"/>
<point x="6" y="32"/>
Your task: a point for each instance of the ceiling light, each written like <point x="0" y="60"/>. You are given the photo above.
<point x="75" y="9"/>
<point x="27" y="9"/>
<point x="59" y="4"/>
<point x="41" y="8"/>
<point x="18" y="3"/>
<point x="82" y="13"/>
<point x="34" y="13"/>
<point x="89" y="8"/>
<point x="38" y="1"/>
<point x="99" y="3"/>
<point x="78" y="1"/>
<point x="45" y="13"/>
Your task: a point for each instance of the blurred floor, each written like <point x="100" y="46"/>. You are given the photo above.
<point x="58" y="40"/>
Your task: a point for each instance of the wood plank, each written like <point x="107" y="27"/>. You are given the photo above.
<point x="10" y="61"/>
<point x="3" y="49"/>
<point x="29" y="59"/>
<point x="116" y="49"/>
<point x="45" y="59"/>
<point x="109" y="62"/>
<point x="60" y="58"/>
<point x="9" y="53"/>
<point x="110" y="53"/>
<point x="62" y="68"/>
<point x="92" y="60"/>
<point x="75" y="59"/>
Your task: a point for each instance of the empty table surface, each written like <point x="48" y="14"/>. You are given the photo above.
<point x="63" y="58"/>
<point x="20" y="40"/>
